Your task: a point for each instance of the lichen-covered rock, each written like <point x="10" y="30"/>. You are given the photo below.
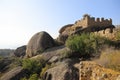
<point x="38" y="43"/>
<point x="20" y="51"/>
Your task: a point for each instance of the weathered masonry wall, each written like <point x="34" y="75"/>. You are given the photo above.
<point x="88" y="21"/>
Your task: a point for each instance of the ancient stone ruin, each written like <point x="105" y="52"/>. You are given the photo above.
<point x="87" y="24"/>
<point x="88" y="21"/>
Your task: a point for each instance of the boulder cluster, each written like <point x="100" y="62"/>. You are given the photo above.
<point x="36" y="45"/>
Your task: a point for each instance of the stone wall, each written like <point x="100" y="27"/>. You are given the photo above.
<point x="99" y="22"/>
<point x="106" y="33"/>
<point x="88" y="21"/>
<point x="89" y="70"/>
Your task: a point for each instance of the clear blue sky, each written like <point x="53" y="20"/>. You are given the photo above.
<point x="21" y="19"/>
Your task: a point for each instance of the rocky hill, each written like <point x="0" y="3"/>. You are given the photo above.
<point x="73" y="58"/>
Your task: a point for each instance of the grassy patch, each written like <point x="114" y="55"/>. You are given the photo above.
<point x="110" y="59"/>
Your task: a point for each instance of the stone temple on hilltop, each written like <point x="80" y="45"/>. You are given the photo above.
<point x="86" y="25"/>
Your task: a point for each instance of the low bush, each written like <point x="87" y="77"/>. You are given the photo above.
<point x="33" y="77"/>
<point x="88" y="44"/>
<point x="32" y="66"/>
<point x="85" y="44"/>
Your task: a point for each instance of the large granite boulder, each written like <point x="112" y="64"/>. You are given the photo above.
<point x="38" y="43"/>
<point x="20" y="51"/>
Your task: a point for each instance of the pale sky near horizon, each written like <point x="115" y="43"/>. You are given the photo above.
<point x="21" y="19"/>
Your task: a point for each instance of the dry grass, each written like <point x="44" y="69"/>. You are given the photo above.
<point x="110" y="58"/>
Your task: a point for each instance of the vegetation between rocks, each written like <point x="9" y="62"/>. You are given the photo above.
<point x="110" y="59"/>
<point x="84" y="44"/>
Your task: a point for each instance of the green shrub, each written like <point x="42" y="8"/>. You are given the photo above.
<point x="33" y="77"/>
<point x="32" y="66"/>
<point x="85" y="44"/>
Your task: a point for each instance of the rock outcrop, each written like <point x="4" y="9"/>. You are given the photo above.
<point x="65" y="29"/>
<point x="53" y="54"/>
<point x="64" y="32"/>
<point x="14" y="74"/>
<point x="38" y="43"/>
<point x="20" y="51"/>
<point x="63" y="71"/>
<point x="5" y="64"/>
<point x="85" y="70"/>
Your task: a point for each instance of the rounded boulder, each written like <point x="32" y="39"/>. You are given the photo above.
<point x="38" y="43"/>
